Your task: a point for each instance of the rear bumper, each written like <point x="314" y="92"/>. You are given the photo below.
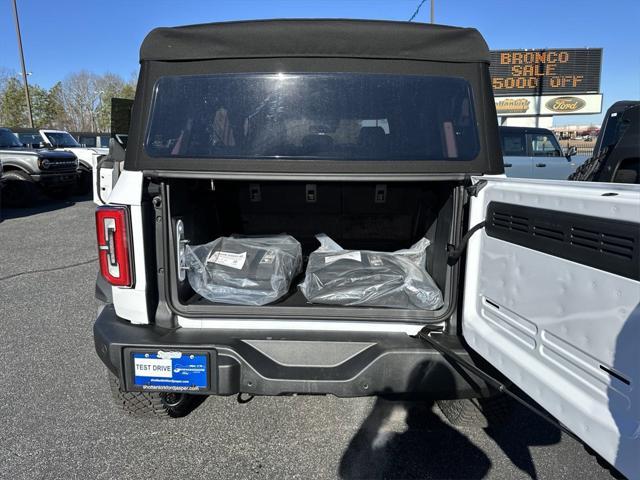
<point x="281" y="363"/>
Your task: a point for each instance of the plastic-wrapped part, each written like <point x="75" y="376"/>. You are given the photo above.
<point x="368" y="278"/>
<point x="244" y="270"/>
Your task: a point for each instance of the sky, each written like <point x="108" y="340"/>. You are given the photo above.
<point x="65" y="36"/>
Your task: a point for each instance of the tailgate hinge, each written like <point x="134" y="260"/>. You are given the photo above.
<point x="473" y="190"/>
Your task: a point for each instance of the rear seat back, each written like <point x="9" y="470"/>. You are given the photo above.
<point x="356" y="215"/>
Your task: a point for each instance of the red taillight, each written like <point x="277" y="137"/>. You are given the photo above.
<point x="114" y="249"/>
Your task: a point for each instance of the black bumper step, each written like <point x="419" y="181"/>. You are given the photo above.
<point x="346" y="364"/>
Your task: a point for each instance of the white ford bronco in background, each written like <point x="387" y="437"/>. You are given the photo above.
<point x="61" y="140"/>
<point x="378" y="135"/>
<point x="87" y="157"/>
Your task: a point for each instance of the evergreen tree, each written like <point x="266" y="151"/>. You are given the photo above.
<point x="81" y="102"/>
<point x="13" y="106"/>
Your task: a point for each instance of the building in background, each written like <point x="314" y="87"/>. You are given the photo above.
<point x="577" y="132"/>
<point x="532" y="86"/>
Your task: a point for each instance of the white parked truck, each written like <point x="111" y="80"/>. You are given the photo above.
<point x="87" y="157"/>
<point x="63" y="141"/>
<point x="380" y="135"/>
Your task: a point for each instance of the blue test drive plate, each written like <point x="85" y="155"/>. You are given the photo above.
<point x="179" y="371"/>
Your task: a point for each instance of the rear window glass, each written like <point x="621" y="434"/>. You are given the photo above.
<point x="87" y="141"/>
<point x="313" y="116"/>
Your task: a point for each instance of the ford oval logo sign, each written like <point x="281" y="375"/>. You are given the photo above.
<point x="565" y="104"/>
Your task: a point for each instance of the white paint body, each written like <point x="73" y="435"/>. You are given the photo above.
<point x="86" y="156"/>
<point x="131" y="303"/>
<point x="105" y="185"/>
<point x="548" y="324"/>
<point x="89" y="158"/>
<point x="557" y="321"/>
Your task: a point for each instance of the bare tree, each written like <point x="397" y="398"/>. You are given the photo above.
<point x="81" y="102"/>
<point x="109" y="85"/>
<point x="80" y="96"/>
<point x="87" y="99"/>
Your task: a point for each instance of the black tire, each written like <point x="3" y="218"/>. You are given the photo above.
<point x="19" y="189"/>
<point x="153" y="404"/>
<point x="477" y="412"/>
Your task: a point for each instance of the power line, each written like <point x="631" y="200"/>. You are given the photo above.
<point x="415" y="14"/>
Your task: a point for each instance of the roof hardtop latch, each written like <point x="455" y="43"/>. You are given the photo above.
<point x="474" y="189"/>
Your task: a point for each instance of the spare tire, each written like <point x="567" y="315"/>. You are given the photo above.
<point x="153" y="404"/>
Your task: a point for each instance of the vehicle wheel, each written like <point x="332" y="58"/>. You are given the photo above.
<point x="84" y="183"/>
<point x="153" y="404"/>
<point x="19" y="189"/>
<point x="477" y="412"/>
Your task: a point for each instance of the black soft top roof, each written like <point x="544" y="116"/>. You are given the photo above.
<point x="316" y="38"/>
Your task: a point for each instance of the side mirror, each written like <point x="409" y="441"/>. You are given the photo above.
<point x="571" y="151"/>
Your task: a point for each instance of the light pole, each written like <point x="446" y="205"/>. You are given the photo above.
<point x="433" y="10"/>
<point x="24" y="70"/>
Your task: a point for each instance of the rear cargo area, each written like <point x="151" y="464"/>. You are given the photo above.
<point x="356" y="215"/>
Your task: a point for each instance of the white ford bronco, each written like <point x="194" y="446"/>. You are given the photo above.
<point x="379" y="135"/>
<point x="87" y="157"/>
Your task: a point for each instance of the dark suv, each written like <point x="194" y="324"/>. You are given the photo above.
<point x="616" y="156"/>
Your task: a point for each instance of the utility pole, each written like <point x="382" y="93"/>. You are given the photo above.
<point x="417" y="10"/>
<point x="24" y="70"/>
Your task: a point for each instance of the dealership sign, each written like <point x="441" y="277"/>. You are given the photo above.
<point x="548" y="105"/>
<point x="567" y="71"/>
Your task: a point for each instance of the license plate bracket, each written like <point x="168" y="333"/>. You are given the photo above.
<point x="169" y="370"/>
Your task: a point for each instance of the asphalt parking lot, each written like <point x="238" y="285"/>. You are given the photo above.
<point x="57" y="419"/>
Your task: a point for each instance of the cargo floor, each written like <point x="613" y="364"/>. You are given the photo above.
<point x="357" y="216"/>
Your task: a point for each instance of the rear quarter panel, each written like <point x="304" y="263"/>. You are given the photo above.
<point x="131" y="303"/>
